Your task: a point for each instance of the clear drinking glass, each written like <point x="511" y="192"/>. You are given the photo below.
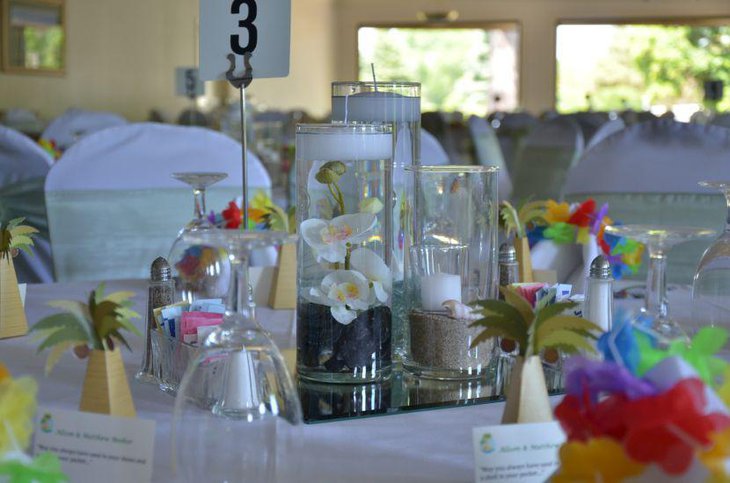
<point x="345" y="281"/>
<point x="711" y="284"/>
<point x="397" y="104"/>
<point x="237" y="415"/>
<point x="659" y="240"/>
<point x="199" y="270"/>
<point x="453" y="262"/>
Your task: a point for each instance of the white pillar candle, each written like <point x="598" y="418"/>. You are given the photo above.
<point x="376" y="107"/>
<point x="343" y="145"/>
<point x="438" y="288"/>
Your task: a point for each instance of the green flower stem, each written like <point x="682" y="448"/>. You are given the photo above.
<point x="347" y="256"/>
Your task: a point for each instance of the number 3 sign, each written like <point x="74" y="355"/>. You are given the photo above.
<point x="260" y="28"/>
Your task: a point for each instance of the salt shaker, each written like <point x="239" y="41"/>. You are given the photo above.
<point x="509" y="269"/>
<point x="161" y="293"/>
<point x="598" y="305"/>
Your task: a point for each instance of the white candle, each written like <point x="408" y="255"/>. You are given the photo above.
<point x="343" y="145"/>
<point x="438" y="288"/>
<point x="376" y="107"/>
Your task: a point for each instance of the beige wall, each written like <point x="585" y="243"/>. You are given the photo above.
<point x="121" y="57"/>
<point x="121" y="54"/>
<point x="538" y="19"/>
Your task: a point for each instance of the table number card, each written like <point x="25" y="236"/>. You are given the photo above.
<point x="96" y="447"/>
<point x="261" y="28"/>
<point x="519" y="453"/>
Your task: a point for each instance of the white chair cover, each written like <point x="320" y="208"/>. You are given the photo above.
<point x="74" y="124"/>
<point x="549" y="151"/>
<point x="432" y="153"/>
<point x="113" y="206"/>
<point x="23" y="120"/>
<point x="648" y="173"/>
<point x="23" y="169"/>
<point x="606" y="130"/>
<point x="489" y="153"/>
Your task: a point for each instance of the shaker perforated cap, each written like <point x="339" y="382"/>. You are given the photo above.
<point x="600" y="268"/>
<point x="507" y="253"/>
<point x="160" y="270"/>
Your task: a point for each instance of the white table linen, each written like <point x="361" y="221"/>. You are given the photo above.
<point x="421" y="446"/>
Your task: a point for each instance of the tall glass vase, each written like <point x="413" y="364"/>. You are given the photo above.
<point x="397" y="104"/>
<point x="453" y="262"/>
<point x="345" y="281"/>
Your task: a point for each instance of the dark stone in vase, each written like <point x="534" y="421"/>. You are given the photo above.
<point x="324" y="343"/>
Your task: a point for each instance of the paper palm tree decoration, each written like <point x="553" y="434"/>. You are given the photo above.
<point x="544" y="327"/>
<point x="97" y="325"/>
<point x="13" y="237"/>
<point x="516" y="221"/>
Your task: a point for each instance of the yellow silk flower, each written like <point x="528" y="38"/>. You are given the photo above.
<point x="717" y="456"/>
<point x="556" y="212"/>
<point x="633" y="258"/>
<point x="17" y="407"/>
<point x="600" y="459"/>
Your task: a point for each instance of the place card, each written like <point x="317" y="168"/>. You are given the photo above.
<point x="96" y="447"/>
<point x="523" y="453"/>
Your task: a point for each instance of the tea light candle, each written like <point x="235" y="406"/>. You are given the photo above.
<point x="438" y="288"/>
<point x="376" y="107"/>
<point x="343" y="142"/>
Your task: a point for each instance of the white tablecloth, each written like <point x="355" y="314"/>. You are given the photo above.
<point x="424" y="446"/>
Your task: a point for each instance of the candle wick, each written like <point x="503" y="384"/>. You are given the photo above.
<point x="375" y="81"/>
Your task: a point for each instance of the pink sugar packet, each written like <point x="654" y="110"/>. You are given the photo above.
<point x="192" y="320"/>
<point x="527" y="290"/>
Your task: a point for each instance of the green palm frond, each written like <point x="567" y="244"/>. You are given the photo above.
<point x="534" y="330"/>
<point x="511" y="219"/>
<point x="98" y="324"/>
<point x="532" y="212"/>
<point x="14" y="236"/>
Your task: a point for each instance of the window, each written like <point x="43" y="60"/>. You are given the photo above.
<point x="33" y="36"/>
<point x="472" y="70"/>
<point x="654" y="67"/>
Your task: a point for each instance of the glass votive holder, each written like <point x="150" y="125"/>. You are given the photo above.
<point x="344" y="277"/>
<point x="452" y="249"/>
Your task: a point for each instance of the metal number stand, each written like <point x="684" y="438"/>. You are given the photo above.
<point x="241" y="83"/>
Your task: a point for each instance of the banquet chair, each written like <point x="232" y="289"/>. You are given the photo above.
<point x="74" y="124"/>
<point x="542" y="163"/>
<point x="432" y="153"/>
<point x="23" y="169"/>
<point x="113" y="206"/>
<point x="512" y="128"/>
<point x="489" y="153"/>
<point x="648" y="173"/>
<point x="606" y="130"/>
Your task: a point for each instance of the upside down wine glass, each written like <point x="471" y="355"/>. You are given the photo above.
<point x="659" y="240"/>
<point x="199" y="270"/>
<point x="711" y="284"/>
<point x="237" y="414"/>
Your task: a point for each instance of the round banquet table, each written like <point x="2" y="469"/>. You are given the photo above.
<point x="420" y="446"/>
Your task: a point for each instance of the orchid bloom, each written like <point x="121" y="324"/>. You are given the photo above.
<point x="330" y="238"/>
<point x="345" y="292"/>
<point x="374" y="268"/>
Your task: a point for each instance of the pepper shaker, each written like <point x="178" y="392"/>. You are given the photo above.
<point x="161" y="293"/>
<point x="509" y="268"/>
<point x="598" y="305"/>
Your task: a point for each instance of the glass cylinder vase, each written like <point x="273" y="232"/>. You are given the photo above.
<point x="452" y="263"/>
<point x="344" y="275"/>
<point x="397" y="104"/>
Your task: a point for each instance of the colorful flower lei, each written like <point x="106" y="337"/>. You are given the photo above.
<point x="650" y="409"/>
<point x="576" y="223"/>
<point x="263" y="214"/>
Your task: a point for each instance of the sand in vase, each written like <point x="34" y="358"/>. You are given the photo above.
<point x="440" y="344"/>
<point x="324" y="345"/>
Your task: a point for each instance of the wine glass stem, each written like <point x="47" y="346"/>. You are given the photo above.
<point x="238" y="301"/>
<point x="656" y="285"/>
<point x="199" y="199"/>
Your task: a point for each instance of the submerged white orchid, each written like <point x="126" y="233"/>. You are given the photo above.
<point x="346" y="292"/>
<point x="374" y="268"/>
<point x="330" y="238"/>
